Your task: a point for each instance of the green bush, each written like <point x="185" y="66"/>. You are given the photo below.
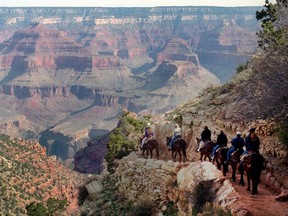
<point x="120" y="142"/>
<point x="38" y="209"/>
<point x="171" y="210"/>
<point x="241" y="67"/>
<point x="283" y="133"/>
<point x="144" y="207"/>
<point x="202" y="194"/>
<point x="54" y="207"/>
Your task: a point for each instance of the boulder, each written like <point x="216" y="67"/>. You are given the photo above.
<point x="202" y="180"/>
<point x="94" y="188"/>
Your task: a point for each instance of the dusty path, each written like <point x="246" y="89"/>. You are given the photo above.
<point x="262" y="204"/>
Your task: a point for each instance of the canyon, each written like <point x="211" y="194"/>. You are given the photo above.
<point x="67" y="73"/>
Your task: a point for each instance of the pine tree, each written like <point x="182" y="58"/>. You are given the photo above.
<point x="273" y="34"/>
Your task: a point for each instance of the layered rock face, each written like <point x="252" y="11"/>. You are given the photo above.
<point x="75" y="69"/>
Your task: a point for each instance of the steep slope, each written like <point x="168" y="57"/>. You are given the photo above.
<point x="28" y="175"/>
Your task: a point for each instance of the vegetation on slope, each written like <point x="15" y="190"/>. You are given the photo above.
<point x="27" y="176"/>
<point x="124" y="138"/>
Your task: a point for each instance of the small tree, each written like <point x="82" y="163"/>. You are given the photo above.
<point x="241" y="67"/>
<point x="34" y="209"/>
<point x="272" y="34"/>
<point x="55" y="206"/>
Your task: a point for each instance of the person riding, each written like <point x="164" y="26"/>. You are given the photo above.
<point x="206" y="134"/>
<point x="252" y="144"/>
<point x="176" y="134"/>
<point x="221" y="142"/>
<point x="237" y="143"/>
<point x="147" y="133"/>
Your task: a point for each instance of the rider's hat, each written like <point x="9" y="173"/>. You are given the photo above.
<point x="148" y="124"/>
<point x="252" y="130"/>
<point x="238" y="133"/>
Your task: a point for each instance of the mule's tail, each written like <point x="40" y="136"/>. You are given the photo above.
<point x="183" y="149"/>
<point x="157" y="152"/>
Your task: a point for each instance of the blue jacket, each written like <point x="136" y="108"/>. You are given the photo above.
<point x="238" y="142"/>
<point x="252" y="144"/>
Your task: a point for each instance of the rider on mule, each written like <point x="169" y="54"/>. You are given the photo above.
<point x="237" y="143"/>
<point x="206" y="134"/>
<point x="252" y="143"/>
<point x="221" y="142"/>
<point x="147" y="134"/>
<point x="176" y="134"/>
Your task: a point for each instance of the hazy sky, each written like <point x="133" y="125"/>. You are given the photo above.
<point x="128" y="3"/>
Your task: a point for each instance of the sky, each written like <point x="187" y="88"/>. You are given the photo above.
<point x="128" y="3"/>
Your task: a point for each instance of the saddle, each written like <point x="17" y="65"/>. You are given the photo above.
<point x="244" y="156"/>
<point x="148" y="138"/>
<point x="237" y="151"/>
<point x="221" y="148"/>
<point x="177" y="139"/>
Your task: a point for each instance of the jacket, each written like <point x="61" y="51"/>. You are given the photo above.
<point x="252" y="144"/>
<point x="238" y="142"/>
<point x="222" y="140"/>
<point x="206" y="135"/>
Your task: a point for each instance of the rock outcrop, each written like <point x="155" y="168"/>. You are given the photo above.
<point x="162" y="182"/>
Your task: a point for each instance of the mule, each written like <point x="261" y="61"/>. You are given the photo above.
<point x="179" y="147"/>
<point x="149" y="147"/>
<point x="253" y="164"/>
<point x="205" y="148"/>
<point x="221" y="158"/>
<point x="235" y="160"/>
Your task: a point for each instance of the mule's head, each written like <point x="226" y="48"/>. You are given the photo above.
<point x="264" y="163"/>
<point x="198" y="144"/>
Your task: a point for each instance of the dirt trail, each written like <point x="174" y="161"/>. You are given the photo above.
<point x="262" y="204"/>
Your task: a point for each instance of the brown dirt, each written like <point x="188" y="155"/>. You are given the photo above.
<point x="262" y="204"/>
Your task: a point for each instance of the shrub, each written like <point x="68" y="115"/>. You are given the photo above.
<point x="283" y="133"/>
<point x="241" y="67"/>
<point x="144" y="207"/>
<point x="34" y="209"/>
<point x="171" y="210"/>
<point x="120" y="145"/>
<point x="55" y="206"/>
<point x="202" y="194"/>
